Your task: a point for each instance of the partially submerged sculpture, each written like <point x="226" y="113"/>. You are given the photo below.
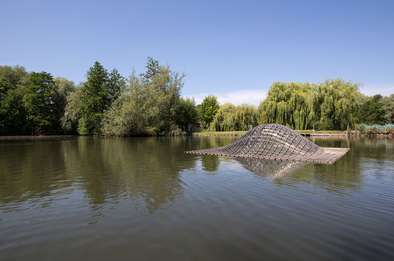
<point x="276" y="142"/>
<point x="272" y="168"/>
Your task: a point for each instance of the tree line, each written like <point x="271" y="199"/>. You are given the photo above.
<point x="150" y="103"/>
<point x="331" y="105"/>
<point x="106" y="103"/>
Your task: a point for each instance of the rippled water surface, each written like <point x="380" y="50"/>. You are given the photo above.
<point x="144" y="199"/>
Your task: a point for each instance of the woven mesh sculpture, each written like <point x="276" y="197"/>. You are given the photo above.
<point x="276" y="142"/>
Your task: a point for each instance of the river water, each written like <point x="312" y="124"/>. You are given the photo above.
<point x="93" y="198"/>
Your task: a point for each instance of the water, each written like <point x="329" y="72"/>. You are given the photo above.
<point x="144" y="199"/>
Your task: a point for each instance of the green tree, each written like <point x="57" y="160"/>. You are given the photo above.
<point x="133" y="113"/>
<point x="152" y="68"/>
<point x="164" y="87"/>
<point x="12" y="111"/>
<point x="116" y="85"/>
<point x="72" y="111"/>
<point x="39" y="100"/>
<point x="208" y="109"/>
<point x="64" y="88"/>
<point x="389" y="108"/>
<point x="330" y="105"/>
<point x="186" y="114"/>
<point x="372" y="110"/>
<point x="235" y="118"/>
<point x="336" y="105"/>
<point x="289" y="104"/>
<point x="148" y="106"/>
<point x="94" y="96"/>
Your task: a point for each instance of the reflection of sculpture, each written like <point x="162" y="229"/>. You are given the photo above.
<point x="210" y="164"/>
<point x="276" y="142"/>
<point x="272" y="168"/>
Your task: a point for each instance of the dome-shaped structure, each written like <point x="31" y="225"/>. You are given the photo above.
<point x="276" y="142"/>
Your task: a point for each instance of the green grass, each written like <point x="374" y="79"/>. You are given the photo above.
<point x="321" y="132"/>
<point x="240" y="133"/>
<point x="219" y="133"/>
<point x="376" y="129"/>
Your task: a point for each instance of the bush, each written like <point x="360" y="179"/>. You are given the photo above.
<point x="375" y="129"/>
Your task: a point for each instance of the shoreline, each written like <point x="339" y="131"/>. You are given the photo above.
<point x="303" y="133"/>
<point x="35" y="137"/>
<point x="306" y="133"/>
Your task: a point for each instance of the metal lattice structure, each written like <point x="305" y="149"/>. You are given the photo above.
<point x="276" y="142"/>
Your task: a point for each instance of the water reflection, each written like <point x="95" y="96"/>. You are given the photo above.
<point x="210" y="163"/>
<point x="31" y="169"/>
<point x="105" y="168"/>
<point x="150" y="168"/>
<point x="274" y="168"/>
<point x="143" y="199"/>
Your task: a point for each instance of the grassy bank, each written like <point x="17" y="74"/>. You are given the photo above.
<point x="240" y="133"/>
<point x="387" y="129"/>
<point x="219" y="133"/>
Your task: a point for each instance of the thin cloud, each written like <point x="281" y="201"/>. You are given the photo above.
<point x="251" y="97"/>
<point x="372" y="89"/>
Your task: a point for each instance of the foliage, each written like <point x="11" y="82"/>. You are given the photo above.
<point x="64" y="89"/>
<point x="235" y="118"/>
<point x="106" y="103"/>
<point x="388" y="105"/>
<point x="39" y="100"/>
<point x="29" y="102"/>
<point x="339" y="102"/>
<point x="207" y="110"/>
<point x="12" y="111"/>
<point x="152" y="103"/>
<point x="152" y="68"/>
<point x="289" y="104"/>
<point x="132" y="113"/>
<point x="116" y="86"/>
<point x="164" y="88"/>
<point x="186" y="114"/>
<point x="376" y="128"/>
<point x="330" y="105"/>
<point x="372" y="110"/>
<point x="94" y="99"/>
<point x="72" y="111"/>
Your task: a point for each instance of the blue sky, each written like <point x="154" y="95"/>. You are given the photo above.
<point x="232" y="49"/>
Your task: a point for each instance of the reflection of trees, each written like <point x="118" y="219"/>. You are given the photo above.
<point x="346" y="173"/>
<point x="210" y="142"/>
<point x="31" y="169"/>
<point x="141" y="168"/>
<point x="209" y="163"/>
<point x="146" y="168"/>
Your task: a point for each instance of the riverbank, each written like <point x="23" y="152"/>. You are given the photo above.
<point x="35" y="137"/>
<point x="307" y="133"/>
<point x="302" y="132"/>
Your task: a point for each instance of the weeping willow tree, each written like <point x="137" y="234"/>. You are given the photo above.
<point x="289" y="104"/>
<point x="235" y="118"/>
<point x="336" y="105"/>
<point x="329" y="105"/>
